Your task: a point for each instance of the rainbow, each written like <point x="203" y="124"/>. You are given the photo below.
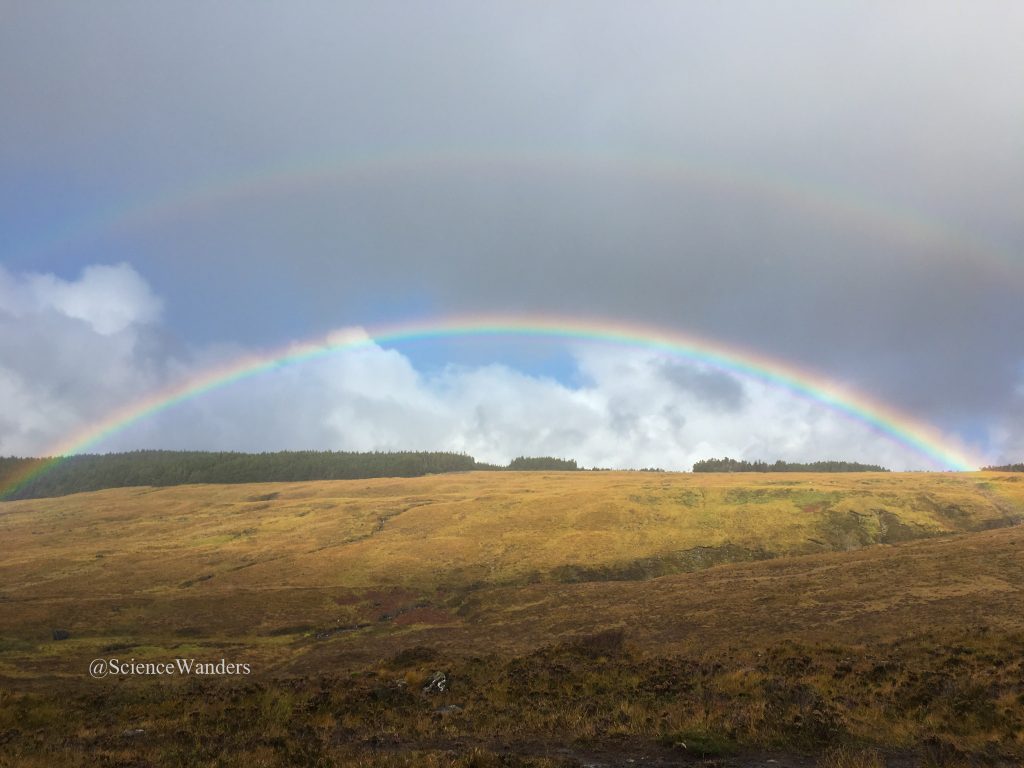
<point x="928" y="238"/>
<point x="921" y="438"/>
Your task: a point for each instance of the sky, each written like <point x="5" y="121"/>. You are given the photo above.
<point x="836" y="187"/>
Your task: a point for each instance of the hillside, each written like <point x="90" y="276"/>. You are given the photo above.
<point x="760" y="581"/>
<point x="493" y="528"/>
<point x="31" y="478"/>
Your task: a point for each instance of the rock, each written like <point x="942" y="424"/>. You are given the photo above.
<point x="133" y="732"/>
<point x="438" y="683"/>
<point x="60" y="634"/>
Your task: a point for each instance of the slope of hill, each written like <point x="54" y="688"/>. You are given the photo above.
<point x="736" y="612"/>
<point x="28" y="478"/>
<point x="501" y="528"/>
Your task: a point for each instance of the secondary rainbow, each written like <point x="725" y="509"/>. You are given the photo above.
<point x="929" y="237"/>
<point x="923" y="439"/>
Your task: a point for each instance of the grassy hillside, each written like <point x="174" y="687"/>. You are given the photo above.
<point x="741" y="613"/>
<point x="32" y="478"/>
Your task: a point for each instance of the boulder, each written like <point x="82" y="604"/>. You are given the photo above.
<point x="438" y="683"/>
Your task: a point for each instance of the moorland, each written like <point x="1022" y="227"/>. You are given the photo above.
<point x="521" y="618"/>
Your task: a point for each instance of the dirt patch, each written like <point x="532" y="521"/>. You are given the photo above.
<point x="894" y="529"/>
<point x="682" y="561"/>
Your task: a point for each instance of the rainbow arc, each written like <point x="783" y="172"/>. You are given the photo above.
<point x="923" y="439"/>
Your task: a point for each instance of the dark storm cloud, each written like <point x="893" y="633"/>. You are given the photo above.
<point x="858" y="213"/>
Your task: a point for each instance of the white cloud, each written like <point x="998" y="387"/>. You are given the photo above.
<point x="108" y="298"/>
<point x="73" y="352"/>
<point x="629" y="413"/>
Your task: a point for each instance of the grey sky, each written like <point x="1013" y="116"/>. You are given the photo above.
<point x="838" y="185"/>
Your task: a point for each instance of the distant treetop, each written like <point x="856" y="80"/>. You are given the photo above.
<point x="1005" y="468"/>
<point x="548" y="463"/>
<point x="736" y="465"/>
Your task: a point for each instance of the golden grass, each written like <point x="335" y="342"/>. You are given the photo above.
<point x="151" y="564"/>
<point x="726" y="611"/>
<point x="499" y="527"/>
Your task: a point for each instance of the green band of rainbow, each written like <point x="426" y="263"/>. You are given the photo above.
<point x="921" y="438"/>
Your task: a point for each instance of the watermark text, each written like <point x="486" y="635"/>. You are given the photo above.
<point x="181" y="667"/>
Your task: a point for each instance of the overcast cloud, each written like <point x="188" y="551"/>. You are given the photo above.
<point x="836" y="185"/>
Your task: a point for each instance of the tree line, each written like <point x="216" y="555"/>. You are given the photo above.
<point x="543" y="463"/>
<point x="1005" y="468"/>
<point x="735" y="465"/>
<point x="93" y="472"/>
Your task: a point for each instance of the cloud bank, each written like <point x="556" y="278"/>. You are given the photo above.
<point x="104" y="347"/>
